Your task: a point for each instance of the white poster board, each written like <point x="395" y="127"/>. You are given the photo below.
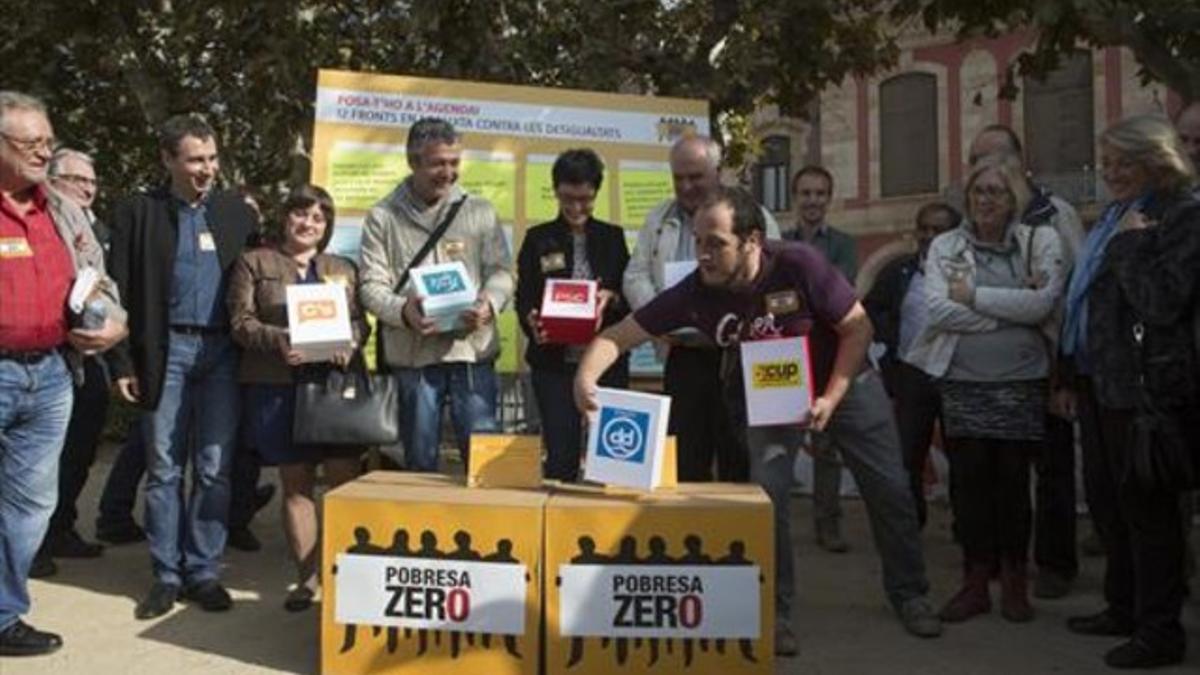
<point x="626" y="439"/>
<point x="777" y="378"/>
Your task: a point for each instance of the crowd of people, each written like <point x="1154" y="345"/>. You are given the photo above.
<point x="1006" y="326"/>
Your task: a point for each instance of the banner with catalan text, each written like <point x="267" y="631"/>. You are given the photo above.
<point x="511" y="136"/>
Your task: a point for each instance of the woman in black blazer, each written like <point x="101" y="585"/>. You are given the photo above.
<point x="573" y="246"/>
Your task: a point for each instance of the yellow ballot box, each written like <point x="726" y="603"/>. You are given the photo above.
<point x="505" y="461"/>
<point x="674" y="581"/>
<point x="422" y="575"/>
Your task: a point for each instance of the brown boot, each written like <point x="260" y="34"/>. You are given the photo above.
<point x="973" y="598"/>
<point x="1014" y="592"/>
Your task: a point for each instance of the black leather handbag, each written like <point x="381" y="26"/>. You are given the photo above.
<point x="347" y="407"/>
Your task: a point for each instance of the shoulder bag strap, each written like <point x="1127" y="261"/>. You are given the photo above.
<point x="380" y="357"/>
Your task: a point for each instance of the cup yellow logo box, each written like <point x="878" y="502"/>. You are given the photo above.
<point x="774" y="374"/>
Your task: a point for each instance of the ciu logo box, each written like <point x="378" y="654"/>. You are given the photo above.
<point x="318" y="320"/>
<point x="627" y="439"/>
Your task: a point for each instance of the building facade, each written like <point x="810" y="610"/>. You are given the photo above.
<point x="900" y="139"/>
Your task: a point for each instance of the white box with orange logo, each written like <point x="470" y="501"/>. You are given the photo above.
<point x="319" y="320"/>
<point x="777" y="377"/>
<point x="569" y="311"/>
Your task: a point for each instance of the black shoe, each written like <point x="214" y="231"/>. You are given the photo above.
<point x="21" y="639"/>
<point x="126" y="533"/>
<point x="1138" y="654"/>
<point x="160" y="601"/>
<point x="43" y="566"/>
<point x="210" y="595"/>
<point x="70" y="545"/>
<point x="243" y="540"/>
<point x="262" y="496"/>
<point x="1104" y="624"/>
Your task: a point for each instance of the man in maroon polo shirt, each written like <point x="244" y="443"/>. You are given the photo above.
<point x="45" y="242"/>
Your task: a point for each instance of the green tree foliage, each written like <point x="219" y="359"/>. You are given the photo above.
<point x="111" y="70"/>
<point x="1164" y="35"/>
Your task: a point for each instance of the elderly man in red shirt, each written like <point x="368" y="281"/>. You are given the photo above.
<point x="45" y="244"/>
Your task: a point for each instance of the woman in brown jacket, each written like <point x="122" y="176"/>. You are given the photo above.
<point x="270" y="367"/>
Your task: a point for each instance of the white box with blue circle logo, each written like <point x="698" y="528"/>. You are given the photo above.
<point x="626" y="439"/>
<point x="446" y="291"/>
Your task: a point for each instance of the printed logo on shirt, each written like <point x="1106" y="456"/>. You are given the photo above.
<point x="775" y="374"/>
<point x="623" y="435"/>
<point x="316" y="310"/>
<point x="553" y="262"/>
<point x="574" y="294"/>
<point x="442" y="283"/>
<point x="15" y="247"/>
<point x="207" y="243"/>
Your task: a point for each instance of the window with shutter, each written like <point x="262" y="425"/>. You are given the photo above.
<point x="1059" y="120"/>
<point x="908" y="140"/>
<point x="771" y="174"/>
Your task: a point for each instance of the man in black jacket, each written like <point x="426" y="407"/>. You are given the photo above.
<point x="896" y="305"/>
<point x="172" y="249"/>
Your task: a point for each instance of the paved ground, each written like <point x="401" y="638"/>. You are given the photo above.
<point x="842" y="621"/>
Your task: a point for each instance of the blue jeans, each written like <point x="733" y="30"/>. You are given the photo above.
<point x="196" y="420"/>
<point x="471" y="391"/>
<point x="35" y="406"/>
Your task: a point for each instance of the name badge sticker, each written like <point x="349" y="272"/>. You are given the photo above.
<point x="207" y="243"/>
<point x="554" y="262"/>
<point x="454" y="249"/>
<point x="783" y="302"/>
<point x="15" y="247"/>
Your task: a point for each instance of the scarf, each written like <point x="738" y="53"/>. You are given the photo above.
<point x="1074" y="331"/>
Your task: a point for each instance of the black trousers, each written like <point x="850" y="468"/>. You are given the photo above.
<point x="918" y="407"/>
<point x="989" y="489"/>
<point x="700" y="419"/>
<point x="79" y="447"/>
<point x="1054" y="523"/>
<point x="562" y="425"/>
<point x="1142" y="531"/>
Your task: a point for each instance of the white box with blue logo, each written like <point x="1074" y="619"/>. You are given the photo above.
<point x="446" y="291"/>
<point x="626" y="439"/>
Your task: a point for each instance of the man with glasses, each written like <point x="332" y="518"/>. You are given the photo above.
<point x="72" y="174"/>
<point x="45" y="242"/>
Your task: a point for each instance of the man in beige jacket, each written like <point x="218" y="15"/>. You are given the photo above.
<point x="433" y="367"/>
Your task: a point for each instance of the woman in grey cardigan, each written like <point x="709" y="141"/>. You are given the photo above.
<point x="991" y="287"/>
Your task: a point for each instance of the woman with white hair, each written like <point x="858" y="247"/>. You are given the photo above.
<point x="1129" y="335"/>
<point x="991" y="286"/>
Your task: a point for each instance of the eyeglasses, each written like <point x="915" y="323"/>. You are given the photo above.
<point x="76" y="179"/>
<point x="30" y="145"/>
<point x="989" y="192"/>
